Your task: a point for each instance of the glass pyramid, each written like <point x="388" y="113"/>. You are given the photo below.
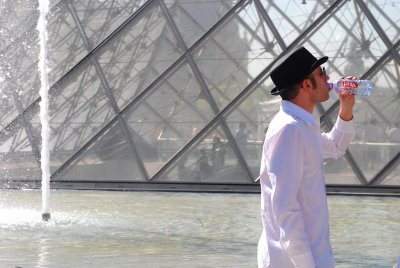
<point x="141" y="91"/>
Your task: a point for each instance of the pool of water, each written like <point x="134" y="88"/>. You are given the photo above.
<point x="155" y="229"/>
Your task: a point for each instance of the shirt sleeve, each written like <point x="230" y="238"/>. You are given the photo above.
<point x="285" y="155"/>
<point x="338" y="139"/>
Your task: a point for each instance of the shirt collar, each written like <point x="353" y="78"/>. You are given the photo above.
<point x="296" y="111"/>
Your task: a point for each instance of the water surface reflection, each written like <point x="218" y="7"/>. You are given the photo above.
<point x="152" y="229"/>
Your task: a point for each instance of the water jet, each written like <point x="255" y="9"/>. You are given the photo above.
<point x="44" y="108"/>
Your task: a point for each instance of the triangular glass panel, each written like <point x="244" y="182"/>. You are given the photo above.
<point x="66" y="47"/>
<point x="393" y="177"/>
<point x="18" y="58"/>
<point x="338" y="171"/>
<point x="146" y="127"/>
<point x="168" y="118"/>
<point x="8" y="109"/>
<point x="292" y="18"/>
<point x="249" y="122"/>
<point x="385" y="101"/>
<point x="235" y="54"/>
<point x="387" y="14"/>
<point x="100" y="18"/>
<point x="351" y="42"/>
<point x="374" y="116"/>
<point x="78" y="109"/>
<point x="194" y="18"/>
<point x="18" y="160"/>
<point x="137" y="54"/>
<point x="108" y="158"/>
<point x="210" y="159"/>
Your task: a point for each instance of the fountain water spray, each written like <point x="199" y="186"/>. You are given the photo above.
<point x="44" y="108"/>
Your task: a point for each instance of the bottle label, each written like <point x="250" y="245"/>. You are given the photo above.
<point x="349" y="84"/>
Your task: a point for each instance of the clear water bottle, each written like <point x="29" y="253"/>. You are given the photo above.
<point x="355" y="87"/>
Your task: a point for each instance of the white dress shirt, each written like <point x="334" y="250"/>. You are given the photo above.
<point x="294" y="205"/>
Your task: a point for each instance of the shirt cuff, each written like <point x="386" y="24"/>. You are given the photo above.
<point x="304" y="260"/>
<point x="344" y="126"/>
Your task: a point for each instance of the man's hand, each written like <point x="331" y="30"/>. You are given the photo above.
<point x="347" y="102"/>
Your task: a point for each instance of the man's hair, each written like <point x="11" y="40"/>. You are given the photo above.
<point x="293" y="90"/>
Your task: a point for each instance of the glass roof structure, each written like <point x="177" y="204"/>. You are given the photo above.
<point x="174" y="94"/>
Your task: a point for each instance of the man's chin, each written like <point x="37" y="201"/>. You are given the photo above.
<point x="326" y="98"/>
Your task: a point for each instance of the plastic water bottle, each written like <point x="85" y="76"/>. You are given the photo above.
<point x="355" y="87"/>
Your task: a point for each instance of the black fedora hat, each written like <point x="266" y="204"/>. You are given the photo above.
<point x="293" y="68"/>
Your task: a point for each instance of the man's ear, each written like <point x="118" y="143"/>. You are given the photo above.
<point x="306" y="87"/>
<point x="306" y="83"/>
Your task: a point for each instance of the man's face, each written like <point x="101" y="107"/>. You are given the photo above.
<point x="319" y="80"/>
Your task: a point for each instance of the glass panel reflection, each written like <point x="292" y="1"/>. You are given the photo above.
<point x="100" y="18"/>
<point x="167" y="119"/>
<point x="387" y="14"/>
<point x="65" y="44"/>
<point x="338" y="171"/>
<point x="17" y="160"/>
<point x="350" y="41"/>
<point x="249" y="123"/>
<point x="394" y="177"/>
<point x="235" y="54"/>
<point x="8" y="110"/>
<point x="210" y="159"/>
<point x="109" y="158"/>
<point x="359" y="43"/>
<point x="79" y="109"/>
<point x="142" y="59"/>
<point x="194" y="18"/>
<point x="375" y="116"/>
<point x="18" y="58"/>
<point x="292" y="18"/>
<point x="137" y="55"/>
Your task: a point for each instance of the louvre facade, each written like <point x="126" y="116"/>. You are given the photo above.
<point x="174" y="94"/>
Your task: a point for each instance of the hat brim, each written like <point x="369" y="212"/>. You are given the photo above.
<point x="319" y="62"/>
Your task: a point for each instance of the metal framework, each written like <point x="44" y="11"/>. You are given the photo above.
<point x="151" y="94"/>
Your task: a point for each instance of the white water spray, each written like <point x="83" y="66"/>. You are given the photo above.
<point x="44" y="108"/>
